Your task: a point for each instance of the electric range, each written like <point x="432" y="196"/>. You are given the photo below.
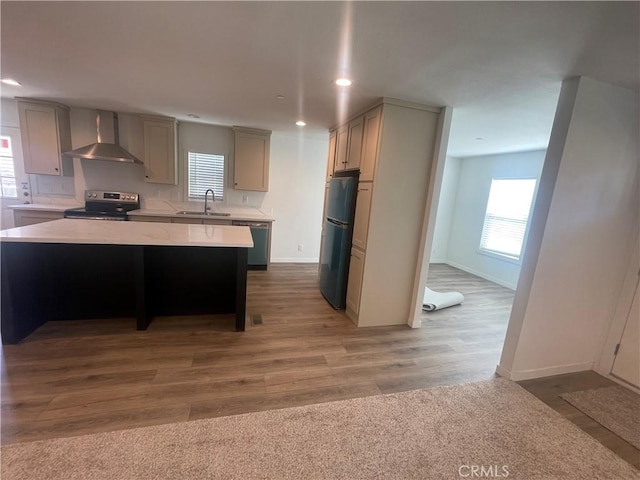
<point x="101" y="205"/>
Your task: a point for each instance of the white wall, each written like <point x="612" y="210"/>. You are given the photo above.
<point x="296" y="186"/>
<point x="296" y="195"/>
<point x="583" y="229"/>
<point x="9" y="113"/>
<point x="463" y="204"/>
<point x="446" y="207"/>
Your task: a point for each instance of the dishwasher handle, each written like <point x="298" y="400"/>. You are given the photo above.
<point x="250" y="224"/>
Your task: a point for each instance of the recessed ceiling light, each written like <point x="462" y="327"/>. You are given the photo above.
<point x="279" y="97"/>
<point x="300" y="123"/>
<point x="193" y="115"/>
<point x="343" y="82"/>
<point x="11" y="81"/>
<point x="479" y="138"/>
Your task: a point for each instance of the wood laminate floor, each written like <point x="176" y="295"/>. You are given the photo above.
<point x="74" y="378"/>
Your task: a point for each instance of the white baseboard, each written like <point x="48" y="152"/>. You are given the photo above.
<point x="633" y="388"/>
<point x="295" y="260"/>
<point x="481" y="275"/>
<point x="437" y="260"/>
<point x="518" y="375"/>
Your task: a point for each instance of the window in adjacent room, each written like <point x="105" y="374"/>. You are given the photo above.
<point x="505" y="222"/>
<point x="205" y="170"/>
<point x="7" y="172"/>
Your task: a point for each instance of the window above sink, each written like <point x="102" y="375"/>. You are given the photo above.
<point x="204" y="171"/>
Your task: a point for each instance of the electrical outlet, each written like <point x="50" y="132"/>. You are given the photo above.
<point x="299" y="247"/>
<point x="245" y="199"/>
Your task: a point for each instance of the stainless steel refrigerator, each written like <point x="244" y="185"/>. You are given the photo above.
<point x="336" y="245"/>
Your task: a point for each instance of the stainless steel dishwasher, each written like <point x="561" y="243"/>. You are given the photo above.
<point x="258" y="258"/>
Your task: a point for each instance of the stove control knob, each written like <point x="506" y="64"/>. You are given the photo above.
<point x="94" y="195"/>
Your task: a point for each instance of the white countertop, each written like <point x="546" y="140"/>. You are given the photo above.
<point x="248" y="214"/>
<point x="74" y="231"/>
<point x="235" y="213"/>
<point x="46" y="207"/>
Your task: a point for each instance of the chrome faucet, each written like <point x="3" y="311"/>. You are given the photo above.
<point x="213" y="198"/>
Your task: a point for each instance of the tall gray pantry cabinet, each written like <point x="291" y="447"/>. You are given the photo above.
<point x="392" y="144"/>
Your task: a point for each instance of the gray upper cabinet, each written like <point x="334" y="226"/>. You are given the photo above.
<point x="345" y="146"/>
<point x="251" y="159"/>
<point x="342" y="141"/>
<point x="160" y="149"/>
<point x="354" y="151"/>
<point x="331" y="161"/>
<point x="46" y="133"/>
<point x="370" y="144"/>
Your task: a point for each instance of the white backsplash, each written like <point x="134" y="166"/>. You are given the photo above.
<point x="50" y="185"/>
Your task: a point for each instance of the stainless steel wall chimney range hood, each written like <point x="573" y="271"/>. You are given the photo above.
<point x="105" y="150"/>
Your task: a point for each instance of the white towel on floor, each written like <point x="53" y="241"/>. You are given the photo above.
<point x="435" y="301"/>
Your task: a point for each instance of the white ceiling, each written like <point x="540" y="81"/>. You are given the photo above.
<point x="499" y="64"/>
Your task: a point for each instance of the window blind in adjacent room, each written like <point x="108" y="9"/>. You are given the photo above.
<point x="507" y="215"/>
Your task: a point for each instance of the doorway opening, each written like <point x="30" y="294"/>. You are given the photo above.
<point x="479" y="238"/>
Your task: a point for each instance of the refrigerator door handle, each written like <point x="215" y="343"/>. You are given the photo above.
<point x="337" y="223"/>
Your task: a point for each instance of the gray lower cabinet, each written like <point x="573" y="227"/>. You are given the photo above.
<point x="22" y="218"/>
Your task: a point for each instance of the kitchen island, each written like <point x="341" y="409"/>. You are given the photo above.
<point x="81" y="269"/>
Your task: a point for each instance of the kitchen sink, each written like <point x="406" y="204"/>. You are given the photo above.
<point x="200" y="212"/>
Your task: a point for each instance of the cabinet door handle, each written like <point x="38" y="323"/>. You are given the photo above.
<point x="56" y="169"/>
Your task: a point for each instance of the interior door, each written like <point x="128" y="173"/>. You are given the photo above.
<point x="15" y="182"/>
<point x="626" y="365"/>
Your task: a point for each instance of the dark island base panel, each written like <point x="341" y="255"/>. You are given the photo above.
<point x="48" y="282"/>
<point x="257" y="267"/>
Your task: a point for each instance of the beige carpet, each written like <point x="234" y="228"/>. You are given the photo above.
<point x="443" y="432"/>
<point x="615" y="408"/>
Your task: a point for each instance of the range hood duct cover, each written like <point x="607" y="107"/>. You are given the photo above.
<point x="100" y="150"/>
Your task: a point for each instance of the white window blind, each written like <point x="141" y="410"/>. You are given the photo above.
<point x="206" y="171"/>
<point x="505" y="223"/>
<point x="7" y="173"/>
